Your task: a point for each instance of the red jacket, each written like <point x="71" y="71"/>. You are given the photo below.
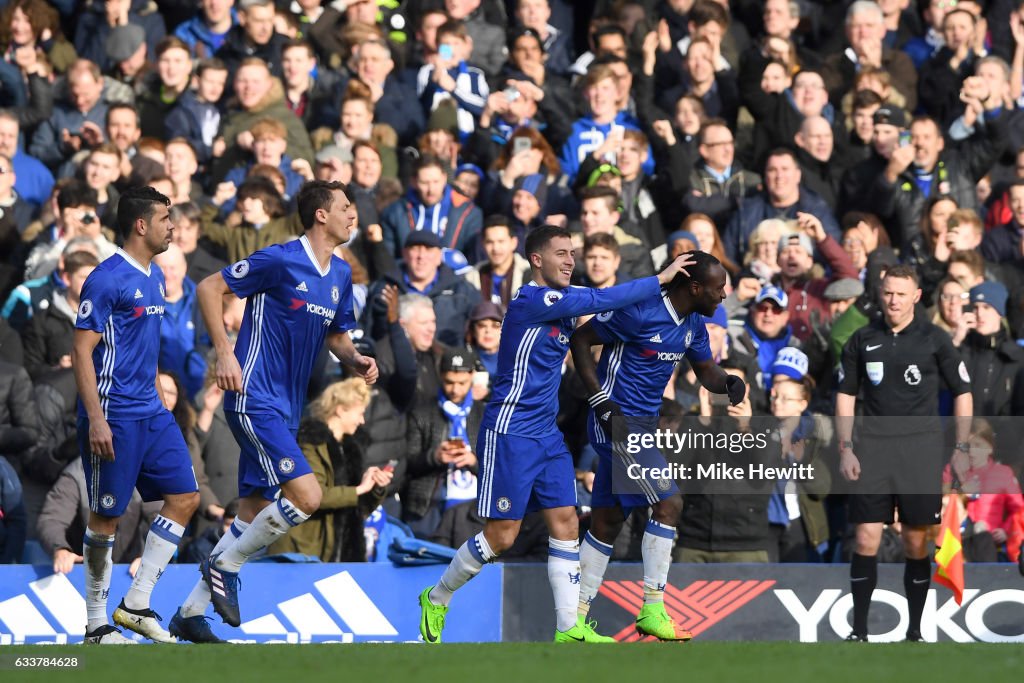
<point x="807" y="295"/>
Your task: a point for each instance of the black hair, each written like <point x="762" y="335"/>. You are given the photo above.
<point x="539" y="237"/>
<point x="76" y="193"/>
<point x="316" y="194"/>
<point x="699" y="271"/>
<point x="498" y="221"/>
<point x="135" y="203"/>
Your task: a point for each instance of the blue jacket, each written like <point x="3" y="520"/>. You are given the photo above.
<point x="200" y="39"/>
<point x="587" y="136"/>
<point x="755" y="209"/>
<point x="179" y="333"/>
<point x="34" y="181"/>
<point x="186" y="121"/>
<point x="465" y="220"/>
<point x="400" y="108"/>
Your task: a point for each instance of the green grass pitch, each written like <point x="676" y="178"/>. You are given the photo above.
<point x="708" y="662"/>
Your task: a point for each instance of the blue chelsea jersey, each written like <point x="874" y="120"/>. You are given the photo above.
<point x="291" y="307"/>
<point x="124" y="302"/>
<point x="534" y="340"/>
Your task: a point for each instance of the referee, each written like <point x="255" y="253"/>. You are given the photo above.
<point x="897" y="363"/>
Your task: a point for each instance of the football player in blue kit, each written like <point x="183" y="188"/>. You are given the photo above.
<point x="126" y="437"/>
<point x="298" y="295"/>
<point x="643" y="343"/>
<point x="524" y="462"/>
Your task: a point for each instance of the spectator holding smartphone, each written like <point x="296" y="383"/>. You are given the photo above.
<point x="440" y="433"/>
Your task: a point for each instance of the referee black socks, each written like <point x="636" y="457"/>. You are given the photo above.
<point x="917" y="577"/>
<point x="863" y="578"/>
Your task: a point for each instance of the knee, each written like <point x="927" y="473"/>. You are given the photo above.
<point x="667" y="511"/>
<point x="501" y="540"/>
<point x="187" y="503"/>
<point x="308" y="500"/>
<point x="866" y="541"/>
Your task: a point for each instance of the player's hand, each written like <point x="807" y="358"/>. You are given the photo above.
<point x="679" y="265"/>
<point x="229" y="372"/>
<point x="605" y="411"/>
<point x="365" y="367"/>
<point x="64" y="561"/>
<point x="101" y="440"/>
<point x="736" y="388"/>
<point x="849" y="465"/>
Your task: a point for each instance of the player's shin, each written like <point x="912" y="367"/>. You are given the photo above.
<point x="564" y="576"/>
<point x="594" y="557"/>
<point x="656" y="548"/>
<point x="467" y="563"/>
<point x="161" y="543"/>
<point x="97" y="552"/>
<point x="270" y="524"/>
<point x="199" y="599"/>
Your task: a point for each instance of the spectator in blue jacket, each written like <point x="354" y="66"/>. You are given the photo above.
<point x="395" y="102"/>
<point x="422" y="271"/>
<point x="783" y="197"/>
<point x="205" y="32"/>
<point x="602" y="130"/>
<point x="181" y="326"/>
<point x="196" y="117"/>
<point x="33" y="181"/>
<point x="60" y="137"/>
<point x="434" y="206"/>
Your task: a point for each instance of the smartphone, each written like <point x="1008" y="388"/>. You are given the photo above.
<point x="456" y="443"/>
<point x="521" y="144"/>
<point x="968" y="308"/>
<point x="719" y="405"/>
<point x="904" y="138"/>
<point x="390" y="467"/>
<point x="445" y="51"/>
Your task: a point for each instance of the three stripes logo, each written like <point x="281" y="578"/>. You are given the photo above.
<point x="695" y="608"/>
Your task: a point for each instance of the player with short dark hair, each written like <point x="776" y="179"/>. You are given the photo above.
<point x="525" y="464"/>
<point x="898" y="365"/>
<point x="298" y="295"/>
<point x="642" y="344"/>
<point x="126" y="437"/>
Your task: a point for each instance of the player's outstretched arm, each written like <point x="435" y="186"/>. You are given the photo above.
<point x="718" y="381"/>
<point x="101" y="441"/>
<point x="342" y="347"/>
<point x="210" y="294"/>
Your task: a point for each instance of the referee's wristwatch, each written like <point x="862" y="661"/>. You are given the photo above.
<point x="843" y="445"/>
<point x="963" y="446"/>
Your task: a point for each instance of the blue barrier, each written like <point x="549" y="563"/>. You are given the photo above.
<point x="281" y="603"/>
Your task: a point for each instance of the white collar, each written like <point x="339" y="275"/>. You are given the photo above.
<point x="132" y="262"/>
<point x="312" y="257"/>
<point x="671" y="310"/>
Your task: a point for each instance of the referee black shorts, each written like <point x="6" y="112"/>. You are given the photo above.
<point x="899" y="473"/>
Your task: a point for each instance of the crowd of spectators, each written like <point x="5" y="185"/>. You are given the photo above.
<point x="808" y="145"/>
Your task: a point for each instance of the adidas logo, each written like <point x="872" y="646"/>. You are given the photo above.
<point x="656" y="339"/>
<point x="138" y="294"/>
<point x="302" y="287"/>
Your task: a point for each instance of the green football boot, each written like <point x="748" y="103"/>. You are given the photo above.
<point x="431" y="618"/>
<point x="582" y="632"/>
<point x="653" y="620"/>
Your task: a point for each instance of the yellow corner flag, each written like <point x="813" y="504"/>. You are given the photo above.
<point x="949" y="555"/>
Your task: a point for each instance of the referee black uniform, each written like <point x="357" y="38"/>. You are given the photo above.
<point x="899" y="442"/>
